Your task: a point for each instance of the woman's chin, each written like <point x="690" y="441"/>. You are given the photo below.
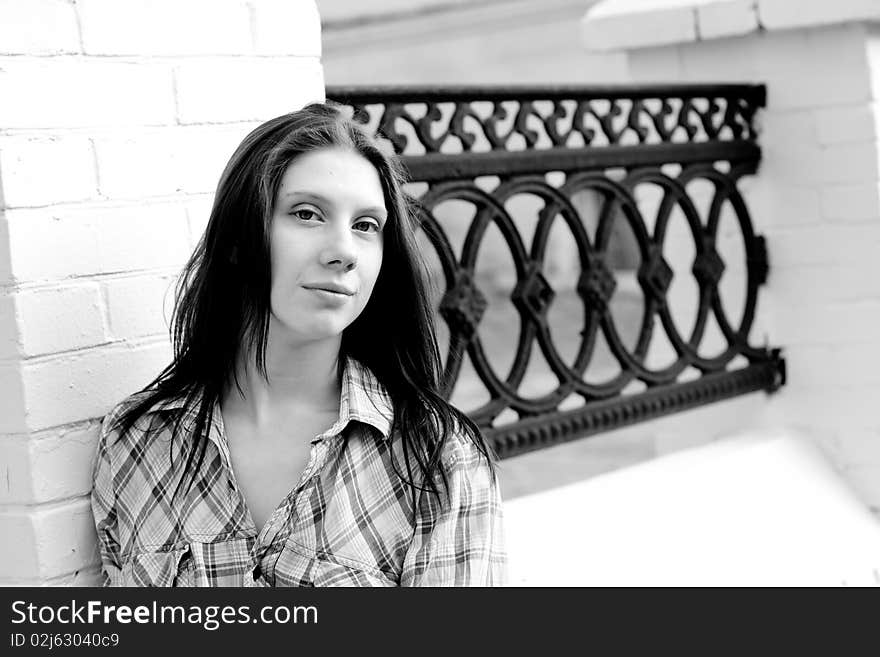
<point x="315" y="331"/>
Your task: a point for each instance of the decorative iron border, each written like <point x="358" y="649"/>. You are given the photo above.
<point x="448" y="137"/>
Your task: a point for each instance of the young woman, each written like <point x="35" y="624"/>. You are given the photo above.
<point x="298" y="438"/>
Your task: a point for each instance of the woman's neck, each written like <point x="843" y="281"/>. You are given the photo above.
<point x="302" y="378"/>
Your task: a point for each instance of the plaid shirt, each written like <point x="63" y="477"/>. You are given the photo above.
<point x="349" y="521"/>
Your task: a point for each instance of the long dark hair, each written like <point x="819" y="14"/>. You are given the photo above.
<point x="222" y="303"/>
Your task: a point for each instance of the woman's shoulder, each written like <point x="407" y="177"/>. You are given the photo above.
<point x="145" y="410"/>
<point x="461" y="451"/>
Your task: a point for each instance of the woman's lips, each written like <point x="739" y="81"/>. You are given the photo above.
<point x="330" y="292"/>
<point x="330" y="287"/>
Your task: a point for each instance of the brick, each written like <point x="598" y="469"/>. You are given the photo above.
<point x="10" y="342"/>
<point x="37" y="171"/>
<point x="50" y="468"/>
<point x="12" y="414"/>
<point x="850" y="163"/>
<point x="832" y="245"/>
<point x="77" y="241"/>
<point x="138" y="306"/>
<point x="139" y="165"/>
<point x="162" y="162"/>
<point x="779" y="204"/>
<point x="791" y="164"/>
<point x="837" y="323"/>
<point x="49" y="540"/>
<point x="165" y="27"/>
<point x="835" y="164"/>
<point x="813" y="68"/>
<point x="617" y="25"/>
<point x="142" y="238"/>
<point x="38" y="27"/>
<point x="86" y="385"/>
<point x="60" y="318"/>
<point x="853" y="123"/>
<point x="823" y="408"/>
<point x="198" y="213"/>
<point x="49" y="244"/>
<point x="724" y="19"/>
<point x="5" y="268"/>
<point x="719" y="60"/>
<point x="872" y="53"/>
<point x="820" y="284"/>
<point x="286" y="28"/>
<point x="835" y="364"/>
<point x="340" y="10"/>
<point x="784" y="14"/>
<point x="246" y="90"/>
<point x="785" y="128"/>
<point x="15" y="455"/>
<point x="93" y="93"/>
<point x="851" y="202"/>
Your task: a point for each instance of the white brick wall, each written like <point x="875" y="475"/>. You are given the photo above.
<point x="730" y="18"/>
<point x="116" y="121"/>
<point x="139" y="306"/>
<point x="166" y="27"/>
<point x="49" y="466"/>
<point x="165" y="161"/>
<point x="92" y="239"/>
<point x="854" y="123"/>
<point x="780" y="14"/>
<point x="38" y="27"/>
<point x="12" y="406"/>
<point x="10" y="345"/>
<point x="272" y="26"/>
<point x="635" y="24"/>
<point x="60" y="318"/>
<point x="851" y="203"/>
<point x="40" y="171"/>
<point x="203" y="88"/>
<point x="816" y="198"/>
<point x="61" y="94"/>
<point x="5" y="259"/>
<point x="70" y="387"/>
<point x="51" y="540"/>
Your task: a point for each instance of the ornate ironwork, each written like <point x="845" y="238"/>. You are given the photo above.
<point x="608" y="141"/>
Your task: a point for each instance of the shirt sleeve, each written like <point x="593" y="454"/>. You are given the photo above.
<point x="458" y="538"/>
<point x="104" y="510"/>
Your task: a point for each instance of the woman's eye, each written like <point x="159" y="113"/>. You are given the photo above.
<point x="305" y="214"/>
<point x="367" y="226"/>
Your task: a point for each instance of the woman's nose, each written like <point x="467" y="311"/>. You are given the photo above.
<point x="340" y="250"/>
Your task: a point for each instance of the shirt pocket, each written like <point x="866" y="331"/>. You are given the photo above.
<point x="223" y="563"/>
<point x="172" y="567"/>
<point x="331" y="573"/>
<point x="296" y="567"/>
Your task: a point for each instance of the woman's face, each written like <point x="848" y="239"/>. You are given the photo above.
<point x="325" y="243"/>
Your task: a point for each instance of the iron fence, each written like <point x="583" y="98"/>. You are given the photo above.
<point x="554" y="143"/>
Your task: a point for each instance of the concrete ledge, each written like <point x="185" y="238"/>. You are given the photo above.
<point x="630" y="24"/>
<point x="755" y="510"/>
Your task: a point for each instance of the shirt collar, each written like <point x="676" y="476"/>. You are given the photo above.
<point x="362" y="399"/>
